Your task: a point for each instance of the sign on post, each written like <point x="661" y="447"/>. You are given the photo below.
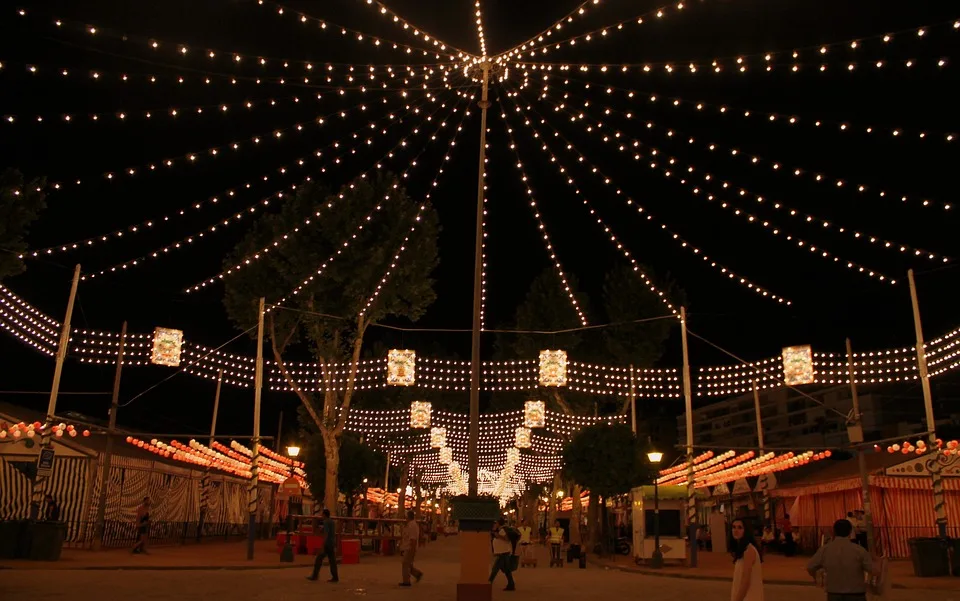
<point x="45" y="463"/>
<point x="289" y="488"/>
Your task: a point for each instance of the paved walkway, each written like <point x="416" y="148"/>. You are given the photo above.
<point x="374" y="577"/>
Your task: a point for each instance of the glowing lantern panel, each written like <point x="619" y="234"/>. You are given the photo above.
<point x="438" y="437"/>
<point x="534" y="414"/>
<point x="420" y="415"/>
<point x="166" y="347"/>
<point x="798" y="365"/>
<point x="523" y="438"/>
<point x="446" y="455"/>
<point x="401" y="367"/>
<point x="553" y="368"/>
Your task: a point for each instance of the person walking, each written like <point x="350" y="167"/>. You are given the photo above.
<point x="143" y="526"/>
<point x="747" y="569"/>
<point x="556" y="540"/>
<point x="502" y="551"/>
<point x="845" y="564"/>
<point x="525" y="539"/>
<point x="411" y="538"/>
<point x="329" y="549"/>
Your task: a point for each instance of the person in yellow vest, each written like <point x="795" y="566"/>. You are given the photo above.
<point x="556" y="540"/>
<point x="525" y="540"/>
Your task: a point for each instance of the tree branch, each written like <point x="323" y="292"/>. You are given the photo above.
<point x="351" y="379"/>
<point x="277" y="356"/>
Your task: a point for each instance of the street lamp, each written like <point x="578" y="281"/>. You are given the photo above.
<point x="656" y="561"/>
<point x="293" y="451"/>
<point x="286" y="554"/>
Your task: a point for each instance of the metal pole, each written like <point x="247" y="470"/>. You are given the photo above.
<point x="280" y="432"/>
<point x="656" y="561"/>
<point x="252" y="496"/>
<point x="108" y="451"/>
<point x="39" y="482"/>
<point x="386" y="478"/>
<point x="688" y="402"/>
<point x="861" y="458"/>
<point x="216" y="408"/>
<point x="756" y="408"/>
<point x="472" y="456"/>
<point x="633" y="403"/>
<point x="205" y="478"/>
<point x="939" y="505"/>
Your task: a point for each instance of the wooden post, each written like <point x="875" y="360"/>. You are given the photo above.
<point x="939" y="505"/>
<point x="108" y="451"/>
<point x="39" y="482"/>
<point x="765" y="499"/>
<point x="688" y="404"/>
<point x="205" y="478"/>
<point x="253" y="492"/>
<point x="861" y="458"/>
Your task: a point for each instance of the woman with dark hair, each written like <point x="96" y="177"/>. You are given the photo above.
<point x="747" y="570"/>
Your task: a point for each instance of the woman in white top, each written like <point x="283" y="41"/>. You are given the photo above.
<point x="747" y="568"/>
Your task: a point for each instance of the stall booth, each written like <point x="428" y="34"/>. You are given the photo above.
<point x="672" y="504"/>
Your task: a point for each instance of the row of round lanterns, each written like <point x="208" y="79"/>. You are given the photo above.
<point x="921" y="447"/>
<point x="24" y="430"/>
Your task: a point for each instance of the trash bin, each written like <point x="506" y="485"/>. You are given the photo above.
<point x="954" y="544"/>
<point x="350" y="550"/>
<point x="44" y="540"/>
<point x="929" y="557"/>
<point x="11" y="532"/>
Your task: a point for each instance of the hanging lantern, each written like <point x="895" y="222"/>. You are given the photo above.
<point x="401" y="367"/>
<point x="553" y="368"/>
<point x="798" y="365"/>
<point x="438" y="436"/>
<point x="534" y="414"/>
<point x="523" y="440"/>
<point x="166" y="347"/>
<point x="420" y="414"/>
<point x="513" y="456"/>
<point x="446" y="455"/>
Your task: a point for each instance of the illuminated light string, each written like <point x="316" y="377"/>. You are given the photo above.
<point x="479" y="19"/>
<point x="770" y="57"/>
<point x="417" y="32"/>
<point x="613" y="238"/>
<point x="837" y="183"/>
<point x="578" y="12"/>
<point x="773" y="229"/>
<point x="438" y="52"/>
<point x="808" y="218"/>
<point x="742" y="68"/>
<point x="189" y="240"/>
<point x="896" y="133"/>
<point x="548" y="244"/>
<point x="152" y="223"/>
<point x="188" y="50"/>
<point x="173" y="112"/>
<point x="253" y="257"/>
<point x="655" y="14"/>
<point x="564" y="172"/>
<point x="346" y="243"/>
<point x="194" y="157"/>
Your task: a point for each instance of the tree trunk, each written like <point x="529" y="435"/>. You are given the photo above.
<point x="575" y="537"/>
<point x="593" y="521"/>
<point x="402" y="495"/>
<point x="554" y="501"/>
<point x="417" y="493"/>
<point x="331" y="452"/>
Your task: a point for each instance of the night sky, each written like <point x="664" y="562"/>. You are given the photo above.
<point x="830" y="302"/>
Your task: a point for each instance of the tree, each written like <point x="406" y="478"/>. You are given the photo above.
<point x="605" y="459"/>
<point x="329" y="316"/>
<point x="21" y="203"/>
<point x="358" y="463"/>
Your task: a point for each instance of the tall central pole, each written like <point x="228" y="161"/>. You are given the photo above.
<point x="472" y="457"/>
<point x="856" y="438"/>
<point x="111" y="433"/>
<point x="688" y="404"/>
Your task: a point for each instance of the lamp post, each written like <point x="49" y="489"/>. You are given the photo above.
<point x="656" y="561"/>
<point x="286" y="555"/>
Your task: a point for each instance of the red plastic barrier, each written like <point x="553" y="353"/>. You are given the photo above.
<point x="350" y="550"/>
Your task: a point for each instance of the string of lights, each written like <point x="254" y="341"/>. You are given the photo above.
<point x="767" y="117"/>
<point x="668" y="173"/>
<point x="641" y="210"/>
<point x="187" y="241"/>
<point x="578" y="12"/>
<point x="548" y="244"/>
<point x="416" y="218"/>
<point x="808" y="218"/>
<point x="438" y="52"/>
<point x="417" y="32"/>
<point x="344" y="244"/>
<point x="159" y="45"/>
<point x="614" y="240"/>
<point x="479" y="20"/>
<point x="390" y="154"/>
<point x="153" y="222"/>
<point x="741" y="62"/>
